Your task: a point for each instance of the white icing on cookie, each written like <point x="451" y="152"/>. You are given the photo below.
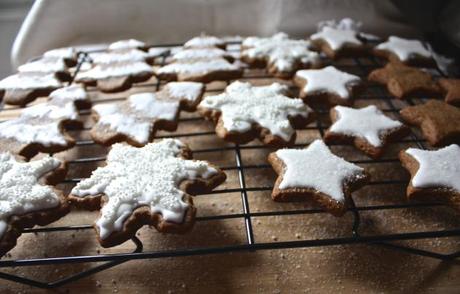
<point x="368" y="123"/>
<point x="25" y="81"/>
<point x="404" y="48"/>
<point x="200" y="53"/>
<point x="51" y="111"/>
<point x="242" y="105"/>
<point x="20" y="190"/>
<point x="280" y="51"/>
<point x="317" y="168"/>
<point x="116" y="69"/>
<point x="197" y="67"/>
<point x="337" y="38"/>
<point x="204" y="41"/>
<point x="328" y="79"/>
<point x="65" y="53"/>
<point x="158" y="51"/>
<point x="44" y="65"/>
<point x="438" y="168"/>
<point x="148" y="176"/>
<point x="136" y="117"/>
<point x="126" y="44"/>
<point x="67" y="94"/>
<point x="126" y="55"/>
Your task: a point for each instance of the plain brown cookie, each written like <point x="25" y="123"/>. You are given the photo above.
<point x="404" y="81"/>
<point x="439" y="122"/>
<point x="452" y="89"/>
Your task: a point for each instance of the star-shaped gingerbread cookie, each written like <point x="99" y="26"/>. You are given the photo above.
<point x="24" y="200"/>
<point x="74" y="93"/>
<point x="137" y="119"/>
<point x="327" y="85"/>
<point x="47" y="65"/>
<point x="411" y="52"/>
<point x="404" y="81"/>
<point x="281" y="55"/>
<point x="142" y="186"/>
<point x="367" y="128"/>
<point x="205" y="41"/>
<point x="439" y="122"/>
<point x="315" y="174"/>
<point x="452" y="89"/>
<point x="245" y="112"/>
<point x="338" y="42"/>
<point x="435" y="174"/>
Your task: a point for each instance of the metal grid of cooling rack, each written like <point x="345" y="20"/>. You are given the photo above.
<point x="251" y="244"/>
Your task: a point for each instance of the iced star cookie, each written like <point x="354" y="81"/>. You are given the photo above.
<point x="317" y="175"/>
<point x="199" y="70"/>
<point x="25" y="200"/>
<point x="411" y="52"/>
<point x="205" y="41"/>
<point x="68" y="54"/>
<point x="115" y="76"/>
<point x="127" y="44"/>
<point x="439" y="122"/>
<point x="337" y="43"/>
<point x="435" y="174"/>
<point x="282" y="56"/>
<point x="125" y="55"/>
<point x="404" y="81"/>
<point x="47" y="65"/>
<point x="367" y="128"/>
<point x="327" y="86"/>
<point x="201" y="53"/>
<point x="141" y="186"/>
<point x="137" y="119"/>
<point x="245" y="112"/>
<point x="451" y="87"/>
<point x="74" y="93"/>
<point x="23" y="88"/>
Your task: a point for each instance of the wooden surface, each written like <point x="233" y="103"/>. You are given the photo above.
<point x="328" y="269"/>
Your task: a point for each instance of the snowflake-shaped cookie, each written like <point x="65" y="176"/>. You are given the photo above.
<point x="283" y="56"/>
<point x="337" y="42"/>
<point x="368" y="128"/>
<point x="434" y="173"/>
<point x="245" y="112"/>
<point x="137" y="119"/>
<point x="404" y="50"/>
<point x="22" y="195"/>
<point x="141" y="186"/>
<point x="315" y="173"/>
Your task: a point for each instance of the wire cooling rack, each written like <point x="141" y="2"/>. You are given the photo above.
<point x="375" y="94"/>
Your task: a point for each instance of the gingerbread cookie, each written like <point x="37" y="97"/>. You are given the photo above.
<point x="23" y="88"/>
<point x="199" y="70"/>
<point x="127" y="44"/>
<point x="452" y="89"/>
<point x="205" y="41"/>
<point x="245" y="112"/>
<point x="367" y="128"/>
<point x="404" y="81"/>
<point x="125" y="55"/>
<point x="68" y="54"/>
<point x="282" y="56"/>
<point x="201" y="53"/>
<point x="74" y="93"/>
<point x="327" y="85"/>
<point x="315" y="174"/>
<point x="410" y="52"/>
<point x="435" y="174"/>
<point x="140" y="186"/>
<point x="137" y="119"/>
<point x="25" y="202"/>
<point x="115" y="76"/>
<point x="47" y="65"/>
<point x="439" y="122"/>
<point x="337" y="43"/>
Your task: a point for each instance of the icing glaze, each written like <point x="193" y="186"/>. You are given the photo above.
<point x="157" y="51"/>
<point x="136" y="117"/>
<point x="368" y="123"/>
<point x="67" y="94"/>
<point x="51" y="111"/>
<point x="242" y="105"/>
<point x="66" y="53"/>
<point x="204" y="41"/>
<point x="117" y="69"/>
<point x="280" y="51"/>
<point x="327" y="79"/>
<point x="336" y="38"/>
<point x="316" y="167"/>
<point x="199" y="53"/>
<point x="44" y="65"/>
<point x="200" y="66"/>
<point x="438" y="168"/>
<point x="126" y="44"/>
<point x="404" y="48"/>
<point x="20" y="190"/>
<point x="26" y="81"/>
<point x="148" y="176"/>
<point x="126" y="55"/>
